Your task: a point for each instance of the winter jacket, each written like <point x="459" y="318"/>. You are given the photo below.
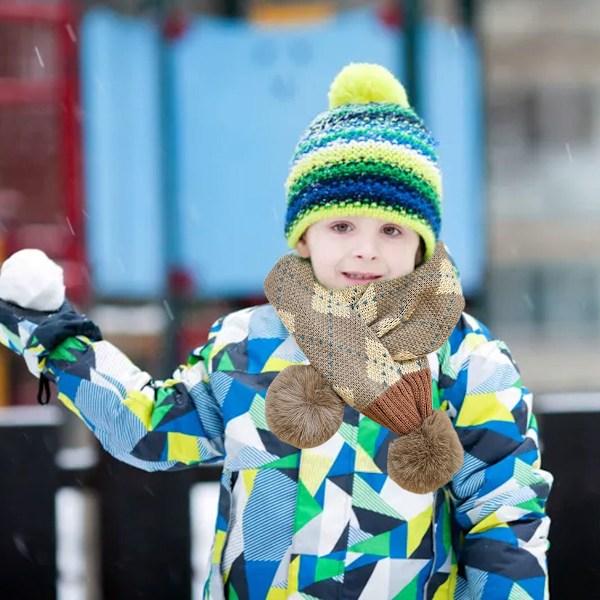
<point x="327" y="523"/>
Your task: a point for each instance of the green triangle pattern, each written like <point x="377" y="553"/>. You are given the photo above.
<point x="161" y="408"/>
<point x="307" y="508"/>
<point x="158" y="414"/>
<point x="366" y="497"/>
<point x="348" y="432"/>
<point x="257" y="412"/>
<point x="74" y="343"/>
<point x="287" y="462"/>
<point x="533" y="422"/>
<point x="530" y="505"/>
<point x="518" y="593"/>
<point x="524" y="474"/>
<point x="378" y="545"/>
<point x="232" y="593"/>
<point x="64" y="351"/>
<point x="225" y="363"/>
<point x="410" y="591"/>
<point x="435" y="395"/>
<point x="62" y="354"/>
<point x="368" y="432"/>
<point x="328" y="567"/>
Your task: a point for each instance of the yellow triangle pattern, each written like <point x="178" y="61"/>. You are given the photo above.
<point x="482" y="408"/>
<point x="218" y="546"/>
<point x="277" y="364"/>
<point x="446" y="590"/>
<point x="349" y="433"/>
<point x="314" y="469"/>
<point x="293" y="574"/>
<point x="226" y="574"/>
<point x="69" y="404"/>
<point x="474" y="340"/>
<point x="364" y="463"/>
<point x="248" y="476"/>
<point x="417" y="528"/>
<point x="490" y="522"/>
<point x="182" y="448"/>
<point x="140" y="405"/>
<point x="216" y="349"/>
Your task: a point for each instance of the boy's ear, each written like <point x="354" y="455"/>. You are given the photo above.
<point x="420" y="253"/>
<point x="302" y="248"/>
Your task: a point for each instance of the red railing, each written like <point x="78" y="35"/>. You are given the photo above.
<point x="52" y="95"/>
<point x="41" y="192"/>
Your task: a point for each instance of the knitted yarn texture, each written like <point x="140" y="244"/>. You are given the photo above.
<point x="365" y="338"/>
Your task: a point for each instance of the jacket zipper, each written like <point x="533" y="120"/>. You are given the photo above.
<point x="435" y="499"/>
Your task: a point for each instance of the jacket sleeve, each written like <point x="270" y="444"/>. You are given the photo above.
<point x="500" y="492"/>
<point x="150" y="424"/>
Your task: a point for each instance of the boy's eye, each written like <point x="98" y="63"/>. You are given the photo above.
<point x="391" y="230"/>
<point x="340" y="227"/>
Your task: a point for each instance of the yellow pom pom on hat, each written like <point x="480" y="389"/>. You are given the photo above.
<point x="362" y="83"/>
<point x="370" y="154"/>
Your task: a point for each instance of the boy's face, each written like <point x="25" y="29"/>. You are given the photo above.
<point x="348" y="251"/>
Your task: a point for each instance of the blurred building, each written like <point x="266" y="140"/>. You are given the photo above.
<point x="540" y="57"/>
<point x="543" y="97"/>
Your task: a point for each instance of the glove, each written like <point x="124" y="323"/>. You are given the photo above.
<point x="34" y="315"/>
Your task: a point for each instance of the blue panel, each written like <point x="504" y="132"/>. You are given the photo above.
<point x="119" y="59"/>
<point x="245" y="95"/>
<point x="242" y="95"/>
<point x="452" y="106"/>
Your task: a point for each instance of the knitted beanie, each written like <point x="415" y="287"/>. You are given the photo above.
<point x="369" y="155"/>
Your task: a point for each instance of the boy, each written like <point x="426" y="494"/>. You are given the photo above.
<point x="328" y="522"/>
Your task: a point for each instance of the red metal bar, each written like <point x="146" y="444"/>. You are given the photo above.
<point x="19" y="91"/>
<point x="72" y="143"/>
<point x="34" y="11"/>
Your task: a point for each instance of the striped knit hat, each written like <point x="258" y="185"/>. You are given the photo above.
<point x="368" y="155"/>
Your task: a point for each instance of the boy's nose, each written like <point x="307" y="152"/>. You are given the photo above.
<point x="366" y="251"/>
<point x="365" y="255"/>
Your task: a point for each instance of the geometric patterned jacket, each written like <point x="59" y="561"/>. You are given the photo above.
<point x="327" y="523"/>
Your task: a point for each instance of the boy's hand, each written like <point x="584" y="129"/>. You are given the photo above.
<point x="34" y="315"/>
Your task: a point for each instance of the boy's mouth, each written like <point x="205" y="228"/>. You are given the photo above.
<point x="361" y="277"/>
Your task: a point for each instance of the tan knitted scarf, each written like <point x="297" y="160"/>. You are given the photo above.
<point x="369" y="342"/>
<point x="383" y="329"/>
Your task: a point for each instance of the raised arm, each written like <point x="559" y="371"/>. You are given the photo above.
<point x="153" y="425"/>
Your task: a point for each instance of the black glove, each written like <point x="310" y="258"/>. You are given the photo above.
<point x="35" y="334"/>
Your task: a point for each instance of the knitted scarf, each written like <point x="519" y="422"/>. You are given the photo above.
<point x="364" y="338"/>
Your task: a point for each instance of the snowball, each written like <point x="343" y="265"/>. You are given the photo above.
<point x="31" y="280"/>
